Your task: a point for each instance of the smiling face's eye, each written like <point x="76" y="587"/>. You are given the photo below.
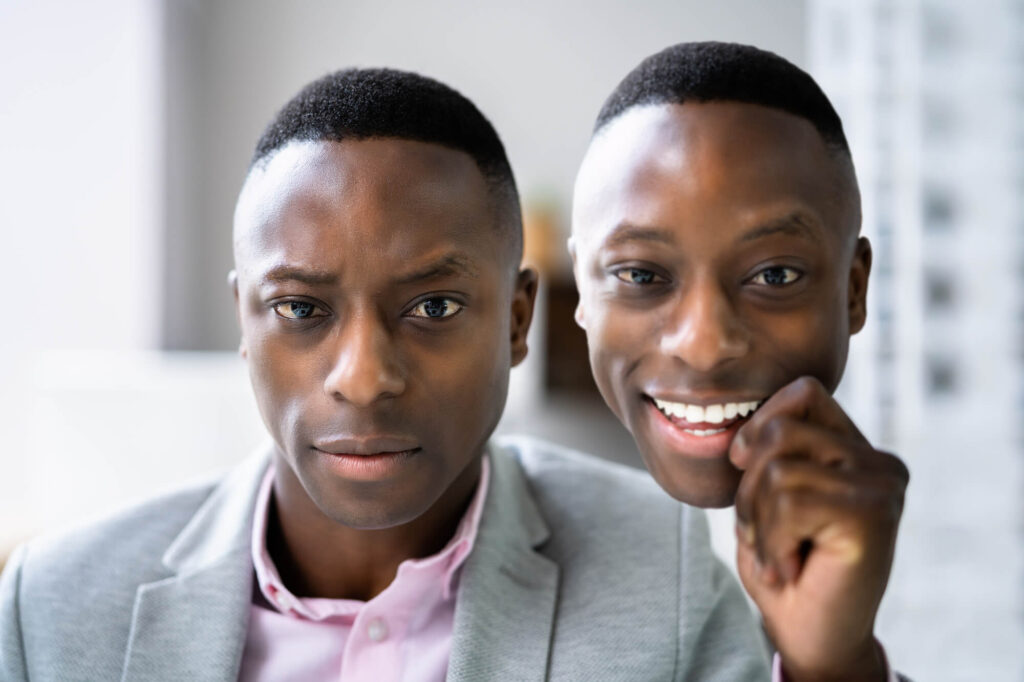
<point x="637" y="276"/>
<point x="776" y="276"/>
<point x="298" y="310"/>
<point x="436" y="307"/>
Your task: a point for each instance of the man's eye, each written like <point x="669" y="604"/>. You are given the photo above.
<point x="436" y="307"/>
<point x="637" y="276"/>
<point x="298" y="310"/>
<point x="776" y="276"/>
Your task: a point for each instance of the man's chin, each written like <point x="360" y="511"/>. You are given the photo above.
<point x="369" y="514"/>
<point x="699" y="482"/>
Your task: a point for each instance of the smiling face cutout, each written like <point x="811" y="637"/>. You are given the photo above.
<point x="380" y="313"/>
<point x="716" y="254"/>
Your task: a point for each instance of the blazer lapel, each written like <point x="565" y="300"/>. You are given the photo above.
<point x="505" y="607"/>
<point x="192" y="625"/>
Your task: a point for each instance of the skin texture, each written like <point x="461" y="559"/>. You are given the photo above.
<point x="343" y="252"/>
<point x="716" y="253"/>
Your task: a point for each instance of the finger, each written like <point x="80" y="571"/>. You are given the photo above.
<point x="756" y="577"/>
<point x="875" y="495"/>
<point x="794" y="524"/>
<point x="804" y="399"/>
<point x="787" y="440"/>
<point x="797" y="500"/>
<point x="789" y="435"/>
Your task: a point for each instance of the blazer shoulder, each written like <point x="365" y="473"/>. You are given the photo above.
<point x="595" y="507"/>
<point x="547" y="465"/>
<point x="132" y="537"/>
<point x="625" y="547"/>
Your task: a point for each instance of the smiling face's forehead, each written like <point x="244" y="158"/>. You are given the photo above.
<point x="713" y="163"/>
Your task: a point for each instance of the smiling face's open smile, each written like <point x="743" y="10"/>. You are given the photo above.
<point x="716" y="254"/>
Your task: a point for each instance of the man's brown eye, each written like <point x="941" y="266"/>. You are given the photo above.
<point x="296" y="310"/>
<point x="436" y="308"/>
<point x="776" y="276"/>
<point x="636" y="276"/>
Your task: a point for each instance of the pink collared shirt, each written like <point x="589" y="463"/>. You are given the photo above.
<point x="404" y="633"/>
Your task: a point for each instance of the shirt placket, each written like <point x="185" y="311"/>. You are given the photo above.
<point x="372" y="652"/>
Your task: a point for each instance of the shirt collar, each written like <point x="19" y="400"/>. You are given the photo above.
<point x="446" y="563"/>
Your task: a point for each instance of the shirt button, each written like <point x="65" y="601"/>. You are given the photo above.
<point x="377" y="630"/>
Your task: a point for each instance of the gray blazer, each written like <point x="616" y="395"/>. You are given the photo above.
<point x="582" y="570"/>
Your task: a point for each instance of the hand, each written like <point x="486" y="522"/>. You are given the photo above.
<point x="817" y="513"/>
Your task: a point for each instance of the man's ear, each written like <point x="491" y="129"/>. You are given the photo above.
<point x="233" y="283"/>
<point x="860" y="270"/>
<point x="523" y="299"/>
<point x="578" y="314"/>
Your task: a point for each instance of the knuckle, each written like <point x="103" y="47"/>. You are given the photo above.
<point x="808" y="387"/>
<point x="776" y="473"/>
<point x="773" y="432"/>
<point x="787" y="502"/>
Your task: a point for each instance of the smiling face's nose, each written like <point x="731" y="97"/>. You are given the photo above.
<point x="702" y="329"/>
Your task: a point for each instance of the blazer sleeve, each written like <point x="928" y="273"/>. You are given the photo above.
<point x="12" y="646"/>
<point x="720" y="639"/>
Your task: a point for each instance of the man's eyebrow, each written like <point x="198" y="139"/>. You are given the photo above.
<point x="796" y="224"/>
<point x="450" y="265"/>
<point x="285" y="273"/>
<point x="627" y="232"/>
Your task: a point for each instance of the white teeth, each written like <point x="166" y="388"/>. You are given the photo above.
<point x="747" y="408"/>
<point x="704" y="432"/>
<point x="707" y="414"/>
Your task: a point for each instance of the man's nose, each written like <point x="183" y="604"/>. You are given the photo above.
<point x="366" y="367"/>
<point x="703" y="330"/>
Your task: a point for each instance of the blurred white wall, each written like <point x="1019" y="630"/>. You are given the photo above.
<point x="929" y="92"/>
<point x="81" y="167"/>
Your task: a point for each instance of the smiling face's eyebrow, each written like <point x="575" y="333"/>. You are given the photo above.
<point x="627" y="232"/>
<point x="795" y="224"/>
<point x="450" y="265"/>
<point x="286" y="273"/>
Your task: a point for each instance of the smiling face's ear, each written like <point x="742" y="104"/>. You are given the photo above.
<point x="578" y="313"/>
<point x="860" y="270"/>
<point x="523" y="298"/>
<point x="233" y="283"/>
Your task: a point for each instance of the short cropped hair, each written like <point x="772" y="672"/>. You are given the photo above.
<point x="358" y="104"/>
<point x="710" y="71"/>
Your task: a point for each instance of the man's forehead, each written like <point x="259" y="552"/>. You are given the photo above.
<point x="656" y="154"/>
<point x="675" y="135"/>
<point x="327" y="169"/>
<point x="391" y="183"/>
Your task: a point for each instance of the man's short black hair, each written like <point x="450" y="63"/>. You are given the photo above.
<point x="709" y="71"/>
<point x="357" y="104"/>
